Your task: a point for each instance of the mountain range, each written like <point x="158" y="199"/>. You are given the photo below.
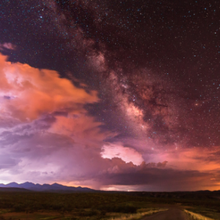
<point x="43" y="187"/>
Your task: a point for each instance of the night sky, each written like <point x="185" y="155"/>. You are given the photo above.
<point x="110" y="94"/>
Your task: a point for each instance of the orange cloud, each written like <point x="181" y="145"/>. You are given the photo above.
<point x="45" y="118"/>
<point x="196" y="158"/>
<point x="27" y="92"/>
<point x="80" y="127"/>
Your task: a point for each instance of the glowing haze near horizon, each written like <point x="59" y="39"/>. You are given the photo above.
<point x="113" y="95"/>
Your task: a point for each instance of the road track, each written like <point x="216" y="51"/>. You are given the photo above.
<point x="170" y="214"/>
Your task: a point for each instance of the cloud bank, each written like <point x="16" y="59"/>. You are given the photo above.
<point x="47" y="135"/>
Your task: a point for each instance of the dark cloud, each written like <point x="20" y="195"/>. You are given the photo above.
<point x="155" y="177"/>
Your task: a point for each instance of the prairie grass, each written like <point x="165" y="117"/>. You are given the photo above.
<point x="136" y="216"/>
<point x="197" y="216"/>
<point x="103" y="205"/>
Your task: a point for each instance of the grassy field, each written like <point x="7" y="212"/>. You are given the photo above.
<point x="100" y="205"/>
<point x="197" y="216"/>
<point x="202" y="213"/>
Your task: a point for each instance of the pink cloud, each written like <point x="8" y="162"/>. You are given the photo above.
<point x="8" y="46"/>
<point x="117" y="150"/>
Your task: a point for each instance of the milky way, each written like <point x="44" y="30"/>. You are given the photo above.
<point x="126" y="92"/>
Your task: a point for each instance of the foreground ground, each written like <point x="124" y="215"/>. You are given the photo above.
<point x="106" y="206"/>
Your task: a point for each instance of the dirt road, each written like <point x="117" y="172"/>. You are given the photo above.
<point x="170" y="214"/>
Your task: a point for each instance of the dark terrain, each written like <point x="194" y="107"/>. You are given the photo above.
<point x="57" y="202"/>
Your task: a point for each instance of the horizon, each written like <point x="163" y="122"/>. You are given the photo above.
<point x="111" y="189"/>
<point x="109" y="94"/>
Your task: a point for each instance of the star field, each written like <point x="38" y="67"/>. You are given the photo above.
<point x="148" y="71"/>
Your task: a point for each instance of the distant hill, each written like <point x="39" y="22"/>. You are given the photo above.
<point x="44" y="187"/>
<point x="13" y="189"/>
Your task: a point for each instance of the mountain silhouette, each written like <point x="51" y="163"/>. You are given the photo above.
<point x="45" y="187"/>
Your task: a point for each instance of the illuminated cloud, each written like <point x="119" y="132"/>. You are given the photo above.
<point x="201" y="159"/>
<point x="117" y="150"/>
<point x="8" y="46"/>
<point x="81" y="128"/>
<point x="46" y="134"/>
<point x="27" y="93"/>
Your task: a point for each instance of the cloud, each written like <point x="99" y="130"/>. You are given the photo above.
<point x="113" y="150"/>
<point x="154" y="177"/>
<point x="7" y="162"/>
<point x="26" y="93"/>
<point x="199" y="158"/>
<point x="80" y="127"/>
<point x="46" y="134"/>
<point x="8" y="46"/>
